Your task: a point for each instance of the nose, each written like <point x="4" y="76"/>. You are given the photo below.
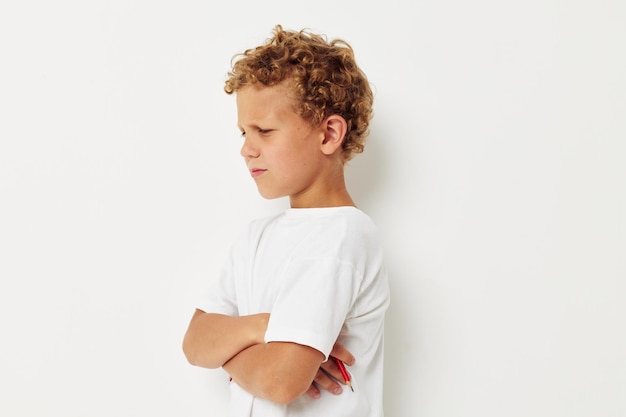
<point x="249" y="149"/>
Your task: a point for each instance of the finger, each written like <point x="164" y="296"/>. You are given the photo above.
<point x="325" y="382"/>
<point x="331" y="368"/>
<point x="313" y="392"/>
<point x="341" y="353"/>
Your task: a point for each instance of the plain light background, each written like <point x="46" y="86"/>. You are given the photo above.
<point x="495" y="172"/>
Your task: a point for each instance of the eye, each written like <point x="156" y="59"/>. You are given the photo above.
<point x="243" y="133"/>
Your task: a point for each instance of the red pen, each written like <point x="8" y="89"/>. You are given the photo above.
<point x="344" y="372"/>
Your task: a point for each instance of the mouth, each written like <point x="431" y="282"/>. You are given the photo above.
<point x="255" y="172"/>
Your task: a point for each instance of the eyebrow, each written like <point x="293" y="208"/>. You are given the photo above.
<point x="253" y="126"/>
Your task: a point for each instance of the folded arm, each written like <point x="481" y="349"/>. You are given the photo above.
<point x="277" y="371"/>
<point x="212" y="339"/>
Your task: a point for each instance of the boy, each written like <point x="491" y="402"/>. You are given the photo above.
<point x="309" y="284"/>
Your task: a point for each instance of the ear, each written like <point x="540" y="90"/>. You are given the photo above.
<point x="335" y="128"/>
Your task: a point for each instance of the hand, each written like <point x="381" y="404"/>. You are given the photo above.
<point x="328" y="374"/>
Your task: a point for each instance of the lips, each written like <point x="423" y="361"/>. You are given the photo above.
<point x="255" y="172"/>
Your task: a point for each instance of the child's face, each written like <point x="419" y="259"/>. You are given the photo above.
<point x="281" y="149"/>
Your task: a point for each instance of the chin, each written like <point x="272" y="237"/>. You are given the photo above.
<point x="269" y="195"/>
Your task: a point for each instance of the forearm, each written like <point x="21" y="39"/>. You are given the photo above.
<point x="213" y="339"/>
<point x="279" y="372"/>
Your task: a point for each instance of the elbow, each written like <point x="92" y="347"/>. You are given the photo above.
<point x="190" y="353"/>
<point x="191" y="357"/>
<point x="285" y="398"/>
<point x="282" y="395"/>
<point x="194" y="354"/>
<point x="283" y="391"/>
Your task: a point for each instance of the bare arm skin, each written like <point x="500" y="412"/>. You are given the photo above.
<point x="279" y="372"/>
<point x="212" y="339"/>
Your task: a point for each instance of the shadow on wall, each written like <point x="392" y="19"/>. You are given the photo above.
<point x="367" y="173"/>
<point x="369" y="176"/>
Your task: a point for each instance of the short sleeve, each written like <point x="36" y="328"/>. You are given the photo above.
<point x="220" y="296"/>
<point x="313" y="302"/>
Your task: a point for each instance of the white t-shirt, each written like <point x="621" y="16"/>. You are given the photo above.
<point x="321" y="275"/>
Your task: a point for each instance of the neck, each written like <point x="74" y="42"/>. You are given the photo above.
<point x="336" y="199"/>
<point x="332" y="194"/>
<point x="328" y="191"/>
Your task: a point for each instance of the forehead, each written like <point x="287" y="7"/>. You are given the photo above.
<point x="260" y="103"/>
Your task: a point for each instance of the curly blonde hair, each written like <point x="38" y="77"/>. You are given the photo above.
<point x="323" y="76"/>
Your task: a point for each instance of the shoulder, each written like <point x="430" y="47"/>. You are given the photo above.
<point x="315" y="230"/>
<point x="330" y="215"/>
<point x="358" y="219"/>
<point x="353" y="222"/>
<point x="334" y="230"/>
